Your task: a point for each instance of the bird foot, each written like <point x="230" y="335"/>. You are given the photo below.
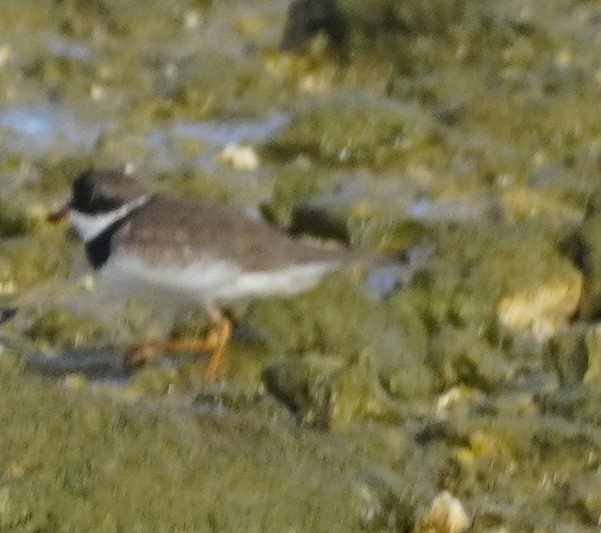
<point x="139" y="354"/>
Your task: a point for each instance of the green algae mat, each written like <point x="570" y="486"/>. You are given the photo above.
<point x="458" y="139"/>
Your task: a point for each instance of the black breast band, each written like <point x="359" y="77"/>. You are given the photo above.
<point x="98" y="249"/>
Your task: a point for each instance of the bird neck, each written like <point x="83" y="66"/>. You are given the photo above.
<point x="89" y="226"/>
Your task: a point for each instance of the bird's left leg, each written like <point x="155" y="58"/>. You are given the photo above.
<point x="214" y="342"/>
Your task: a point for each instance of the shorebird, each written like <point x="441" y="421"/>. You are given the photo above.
<point x="184" y="252"/>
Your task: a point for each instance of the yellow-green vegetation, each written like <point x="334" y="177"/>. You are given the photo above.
<point x="64" y="328"/>
<point x="69" y="462"/>
<point x="470" y="129"/>
<point x="351" y="130"/>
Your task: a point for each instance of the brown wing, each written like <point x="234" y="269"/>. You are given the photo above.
<point x="172" y="230"/>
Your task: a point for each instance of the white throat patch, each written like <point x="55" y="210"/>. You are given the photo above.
<point x="90" y="226"/>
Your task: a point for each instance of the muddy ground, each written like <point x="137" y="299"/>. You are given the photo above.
<point x="461" y="139"/>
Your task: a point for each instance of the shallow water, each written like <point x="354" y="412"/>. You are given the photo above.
<point x="39" y="130"/>
<point x="460" y="140"/>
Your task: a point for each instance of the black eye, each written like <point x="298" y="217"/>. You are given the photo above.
<point x="87" y="198"/>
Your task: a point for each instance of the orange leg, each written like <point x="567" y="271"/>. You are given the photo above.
<point x="223" y="333"/>
<point x="215" y="342"/>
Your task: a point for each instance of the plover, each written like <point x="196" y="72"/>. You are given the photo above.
<point x="189" y="252"/>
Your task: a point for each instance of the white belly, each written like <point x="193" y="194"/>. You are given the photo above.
<point x="207" y="282"/>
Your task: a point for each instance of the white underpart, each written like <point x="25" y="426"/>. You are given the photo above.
<point x="209" y="281"/>
<point x="90" y="226"/>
